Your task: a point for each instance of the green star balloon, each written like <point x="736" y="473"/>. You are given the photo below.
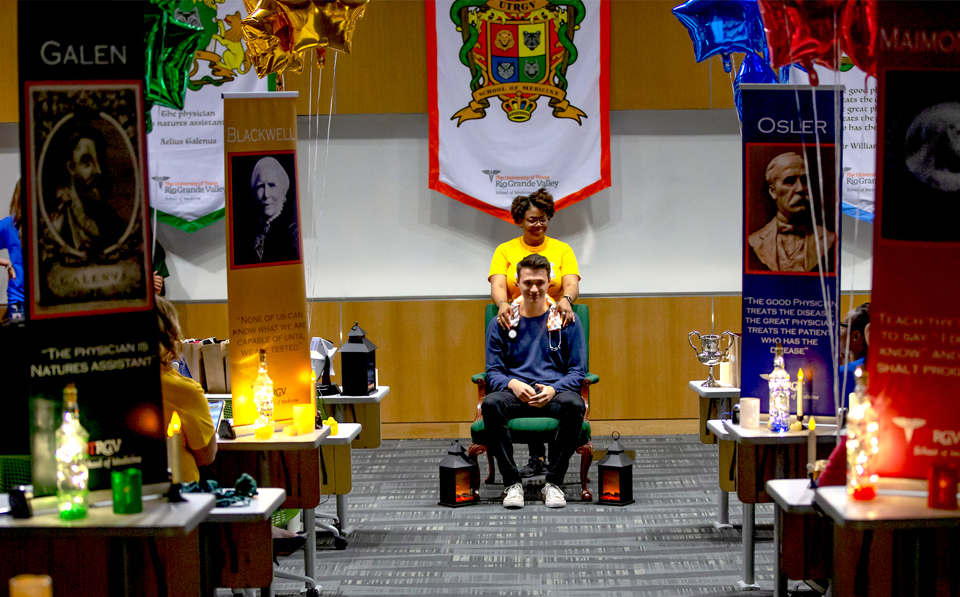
<point x="170" y="46"/>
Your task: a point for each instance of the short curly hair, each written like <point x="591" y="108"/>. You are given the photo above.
<point x="540" y="199"/>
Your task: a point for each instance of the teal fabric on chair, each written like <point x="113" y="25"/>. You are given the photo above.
<point x="539" y="429"/>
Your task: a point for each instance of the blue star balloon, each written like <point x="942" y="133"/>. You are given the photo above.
<point x="753" y="70"/>
<point x="723" y="26"/>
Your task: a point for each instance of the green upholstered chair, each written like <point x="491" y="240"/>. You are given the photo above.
<point x="541" y="429"/>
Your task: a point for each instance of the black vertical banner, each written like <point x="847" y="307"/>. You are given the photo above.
<point x="86" y="237"/>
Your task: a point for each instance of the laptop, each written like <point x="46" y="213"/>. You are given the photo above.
<point x="216" y="412"/>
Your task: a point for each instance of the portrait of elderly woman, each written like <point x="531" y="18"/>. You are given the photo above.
<point x="266" y="222"/>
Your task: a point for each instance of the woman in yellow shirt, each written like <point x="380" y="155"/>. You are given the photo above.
<point x="185" y="396"/>
<point x="532" y="214"/>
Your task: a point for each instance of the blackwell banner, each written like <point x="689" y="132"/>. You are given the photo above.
<point x="914" y="351"/>
<point x="518" y="100"/>
<point x="791" y="240"/>
<point x="90" y="296"/>
<point x="186" y="146"/>
<point x="266" y="292"/>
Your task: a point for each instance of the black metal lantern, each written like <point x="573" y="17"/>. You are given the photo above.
<point x="616" y="476"/>
<point x="358" y="361"/>
<point x="459" y="478"/>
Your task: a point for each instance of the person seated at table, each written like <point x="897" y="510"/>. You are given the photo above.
<point x="853" y="346"/>
<point x="535" y="374"/>
<point x="532" y="214"/>
<point x="185" y="396"/>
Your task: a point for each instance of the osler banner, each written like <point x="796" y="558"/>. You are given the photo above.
<point x="791" y="240"/>
<point x="914" y="350"/>
<point x="518" y="100"/>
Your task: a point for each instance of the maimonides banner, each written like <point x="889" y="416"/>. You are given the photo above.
<point x="791" y="239"/>
<point x="186" y="146"/>
<point x="519" y="100"/>
<point x="90" y="296"/>
<point x="266" y="290"/>
<point x="914" y="350"/>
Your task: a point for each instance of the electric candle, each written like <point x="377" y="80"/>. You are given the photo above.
<point x="173" y="449"/>
<point x="812" y="443"/>
<point x="800" y="394"/>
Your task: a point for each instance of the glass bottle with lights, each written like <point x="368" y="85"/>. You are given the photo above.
<point x="263" y="400"/>
<point x="863" y="443"/>
<point x="72" y="471"/>
<point x="779" y="383"/>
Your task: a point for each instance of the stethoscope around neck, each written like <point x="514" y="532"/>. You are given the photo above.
<point x="512" y="335"/>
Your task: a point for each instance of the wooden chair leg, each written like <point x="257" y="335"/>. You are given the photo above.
<point x="586" y="459"/>
<point x="474" y="451"/>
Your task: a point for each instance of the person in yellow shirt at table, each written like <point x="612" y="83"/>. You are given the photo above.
<point x="185" y="396"/>
<point x="532" y="213"/>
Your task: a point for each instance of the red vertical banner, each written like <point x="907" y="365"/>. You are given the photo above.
<point x="914" y="349"/>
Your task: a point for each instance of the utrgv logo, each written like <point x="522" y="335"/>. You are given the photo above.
<point x="946" y="437"/>
<point x="107" y="447"/>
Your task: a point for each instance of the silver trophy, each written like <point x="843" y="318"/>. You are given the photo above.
<point x="710" y="353"/>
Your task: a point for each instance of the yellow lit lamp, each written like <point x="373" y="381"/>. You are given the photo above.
<point x="263" y="400"/>
<point x="304" y="419"/>
<point x="173" y="458"/>
<point x="31" y="585"/>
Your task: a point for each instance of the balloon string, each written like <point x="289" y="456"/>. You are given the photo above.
<point x="733" y="88"/>
<point x="313" y="171"/>
<point x="311" y="192"/>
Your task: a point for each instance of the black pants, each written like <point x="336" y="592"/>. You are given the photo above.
<point x="500" y="407"/>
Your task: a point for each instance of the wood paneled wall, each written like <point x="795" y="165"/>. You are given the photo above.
<point x="428" y="350"/>
<point x="651" y="64"/>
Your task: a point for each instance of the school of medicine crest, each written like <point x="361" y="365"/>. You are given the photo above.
<point x="518" y="51"/>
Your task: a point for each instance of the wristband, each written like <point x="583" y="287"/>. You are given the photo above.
<point x="569" y="298"/>
<point x="508" y="302"/>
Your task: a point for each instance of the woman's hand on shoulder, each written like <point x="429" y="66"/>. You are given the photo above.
<point x="567" y="315"/>
<point x="503" y="314"/>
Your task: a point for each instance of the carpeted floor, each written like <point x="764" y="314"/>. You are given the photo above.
<point x="665" y="544"/>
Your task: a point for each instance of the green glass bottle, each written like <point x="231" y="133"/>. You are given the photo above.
<point x="72" y="472"/>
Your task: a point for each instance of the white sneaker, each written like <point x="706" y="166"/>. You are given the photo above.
<point x="553" y="496"/>
<point x="514" y="497"/>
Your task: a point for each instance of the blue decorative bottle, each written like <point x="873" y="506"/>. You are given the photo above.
<point x="779" y="394"/>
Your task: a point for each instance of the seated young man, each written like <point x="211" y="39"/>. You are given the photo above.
<point x="535" y="373"/>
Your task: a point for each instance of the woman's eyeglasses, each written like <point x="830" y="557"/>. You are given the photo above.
<point x="535" y="221"/>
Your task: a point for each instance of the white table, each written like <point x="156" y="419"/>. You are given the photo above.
<point x="898" y="523"/>
<point x="241" y="533"/>
<point x="719" y="399"/>
<point x="340" y="443"/>
<point x="300" y="476"/>
<point x="366" y="412"/>
<point x="790" y="496"/>
<point x="750" y="477"/>
<point x="42" y="544"/>
<point x="716" y="427"/>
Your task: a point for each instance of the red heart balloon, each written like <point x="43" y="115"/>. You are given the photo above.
<point x="804" y="31"/>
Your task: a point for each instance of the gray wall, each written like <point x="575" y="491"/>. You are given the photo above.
<point x="670" y="224"/>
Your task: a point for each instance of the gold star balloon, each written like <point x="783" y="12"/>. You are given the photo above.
<point x="278" y="32"/>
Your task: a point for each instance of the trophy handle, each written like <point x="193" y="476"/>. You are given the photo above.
<point x="690" y="340"/>
<point x="733" y="337"/>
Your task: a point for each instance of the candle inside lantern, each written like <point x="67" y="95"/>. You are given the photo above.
<point x="173" y="448"/>
<point x="942" y="487"/>
<point x="800" y="394"/>
<point x="812" y="443"/>
<point x="304" y="418"/>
